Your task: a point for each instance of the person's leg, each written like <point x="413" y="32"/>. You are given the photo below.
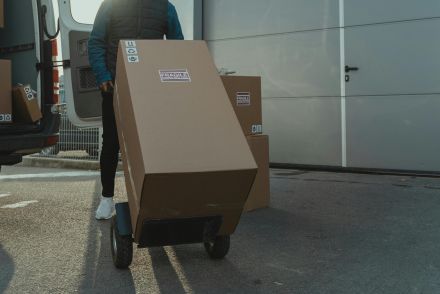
<point x="110" y="147"/>
<point x="109" y="157"/>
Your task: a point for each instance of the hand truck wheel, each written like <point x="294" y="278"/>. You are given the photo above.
<point x="122" y="246"/>
<point x="218" y="248"/>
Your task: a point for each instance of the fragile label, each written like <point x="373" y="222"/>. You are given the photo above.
<point x="29" y="95"/>
<point x="178" y="75"/>
<point x="133" y="58"/>
<point x="257" y="129"/>
<point x="130" y="44"/>
<point x="6" y="117"/>
<point x="243" y="99"/>
<point x="131" y="51"/>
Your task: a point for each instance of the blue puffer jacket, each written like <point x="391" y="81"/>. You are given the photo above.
<point x="98" y="39"/>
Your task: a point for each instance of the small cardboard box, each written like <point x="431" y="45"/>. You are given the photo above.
<point x="188" y="167"/>
<point x="2" y="14"/>
<point x="245" y="96"/>
<point x="25" y="105"/>
<point x="5" y="92"/>
<point x="259" y="197"/>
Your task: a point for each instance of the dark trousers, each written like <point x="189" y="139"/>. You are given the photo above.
<point x="110" y="146"/>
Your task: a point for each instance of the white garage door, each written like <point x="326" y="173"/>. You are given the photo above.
<point x="393" y="100"/>
<point x="387" y="120"/>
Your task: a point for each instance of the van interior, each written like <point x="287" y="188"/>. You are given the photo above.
<point x="20" y="43"/>
<point x="17" y="42"/>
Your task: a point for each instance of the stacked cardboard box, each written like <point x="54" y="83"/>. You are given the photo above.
<point x="5" y="92"/>
<point x="25" y="105"/>
<point x="188" y="167"/>
<point x="245" y="96"/>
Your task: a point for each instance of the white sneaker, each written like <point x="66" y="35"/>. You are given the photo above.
<point x="105" y="209"/>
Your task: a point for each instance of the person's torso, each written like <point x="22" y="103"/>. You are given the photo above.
<point x="138" y="19"/>
<point x="134" y="19"/>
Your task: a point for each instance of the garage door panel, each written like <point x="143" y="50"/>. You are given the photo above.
<point x="300" y="127"/>
<point x="291" y="65"/>
<point x="396" y="58"/>
<point x="232" y="18"/>
<point x="373" y="11"/>
<point x="397" y="132"/>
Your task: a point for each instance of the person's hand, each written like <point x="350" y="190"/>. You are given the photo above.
<point x="107" y="86"/>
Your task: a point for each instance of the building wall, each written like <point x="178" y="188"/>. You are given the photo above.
<point x="384" y="117"/>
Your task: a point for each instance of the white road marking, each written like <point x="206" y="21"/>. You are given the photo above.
<point x="3" y="195"/>
<point x="179" y="270"/>
<point x="53" y="175"/>
<point x="19" y="204"/>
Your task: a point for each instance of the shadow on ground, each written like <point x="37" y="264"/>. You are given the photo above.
<point x="99" y="274"/>
<point x="7" y="269"/>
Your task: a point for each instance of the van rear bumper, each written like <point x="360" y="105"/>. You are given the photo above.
<point x="26" y="144"/>
<point x="10" y="159"/>
<point x="14" y="146"/>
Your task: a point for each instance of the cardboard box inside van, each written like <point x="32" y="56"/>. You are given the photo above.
<point x="5" y="92"/>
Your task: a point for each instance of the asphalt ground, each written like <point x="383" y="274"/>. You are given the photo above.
<point x="324" y="233"/>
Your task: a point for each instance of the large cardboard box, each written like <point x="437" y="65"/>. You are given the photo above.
<point x="5" y="92"/>
<point x="188" y="167"/>
<point x="2" y="14"/>
<point x="259" y="197"/>
<point x="25" y="105"/>
<point x="245" y="95"/>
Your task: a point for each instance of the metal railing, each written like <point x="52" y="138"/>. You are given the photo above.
<point x="75" y="143"/>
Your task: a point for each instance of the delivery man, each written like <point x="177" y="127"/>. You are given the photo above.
<point x="122" y="20"/>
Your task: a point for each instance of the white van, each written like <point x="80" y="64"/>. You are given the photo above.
<point x="25" y="41"/>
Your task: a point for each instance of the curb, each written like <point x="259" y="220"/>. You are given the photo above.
<point x="63" y="163"/>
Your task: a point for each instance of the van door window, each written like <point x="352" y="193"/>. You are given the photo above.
<point x="85" y="16"/>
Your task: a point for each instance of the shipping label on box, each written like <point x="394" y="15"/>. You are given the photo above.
<point x="243" y="99"/>
<point x="5" y="117"/>
<point x="25" y="105"/>
<point x="28" y="92"/>
<point x="257" y="129"/>
<point x="176" y="75"/>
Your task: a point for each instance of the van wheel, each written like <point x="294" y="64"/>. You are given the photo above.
<point x="122" y="247"/>
<point x="218" y="248"/>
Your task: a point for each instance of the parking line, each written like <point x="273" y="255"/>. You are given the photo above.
<point x="19" y="204"/>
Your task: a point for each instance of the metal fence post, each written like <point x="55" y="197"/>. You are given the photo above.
<point x="99" y="142"/>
